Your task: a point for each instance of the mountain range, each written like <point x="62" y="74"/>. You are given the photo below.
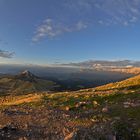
<point x="105" y="63"/>
<point x="69" y="67"/>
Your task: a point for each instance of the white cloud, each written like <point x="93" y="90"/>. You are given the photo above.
<point x="50" y="29"/>
<point x="119" y="11"/>
<point x="80" y="14"/>
<point x="6" y="54"/>
<point x="133" y="19"/>
<point x="80" y="25"/>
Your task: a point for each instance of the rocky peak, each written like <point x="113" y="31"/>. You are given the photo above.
<point x="27" y="75"/>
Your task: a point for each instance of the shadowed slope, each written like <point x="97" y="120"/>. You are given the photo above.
<point x="25" y="82"/>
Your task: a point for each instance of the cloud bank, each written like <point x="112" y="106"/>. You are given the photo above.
<point x="6" y="54"/>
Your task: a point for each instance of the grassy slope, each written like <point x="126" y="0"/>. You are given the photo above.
<point x="103" y="111"/>
<point x="131" y="83"/>
<point x="17" y="85"/>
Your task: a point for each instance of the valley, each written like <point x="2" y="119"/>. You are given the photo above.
<point x="107" y="112"/>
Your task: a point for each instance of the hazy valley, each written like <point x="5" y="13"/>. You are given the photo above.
<point x="69" y="104"/>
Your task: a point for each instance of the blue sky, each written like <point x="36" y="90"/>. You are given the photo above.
<point x="63" y="31"/>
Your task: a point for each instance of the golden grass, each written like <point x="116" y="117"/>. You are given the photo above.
<point x="130" y="82"/>
<point x="16" y="100"/>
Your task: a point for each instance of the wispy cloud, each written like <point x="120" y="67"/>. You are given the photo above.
<point x="108" y="11"/>
<point x="80" y="14"/>
<point x="6" y="54"/>
<point x="50" y="29"/>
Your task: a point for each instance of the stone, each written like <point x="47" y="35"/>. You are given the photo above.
<point x="95" y="102"/>
<point x="105" y="109"/>
<point x="67" y="108"/>
<point x="71" y="136"/>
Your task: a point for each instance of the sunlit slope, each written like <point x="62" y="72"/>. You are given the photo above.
<point x="128" y="84"/>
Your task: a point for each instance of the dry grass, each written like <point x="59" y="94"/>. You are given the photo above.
<point x="131" y="83"/>
<point x="16" y="100"/>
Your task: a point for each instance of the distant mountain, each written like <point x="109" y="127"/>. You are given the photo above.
<point x="66" y="69"/>
<point x="124" y="66"/>
<point x="39" y="70"/>
<point x="105" y="63"/>
<point x="27" y="76"/>
<point x="25" y="82"/>
<point x="128" y="69"/>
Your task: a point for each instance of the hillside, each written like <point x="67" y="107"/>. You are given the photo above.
<point x="25" y="82"/>
<point x="128" y="84"/>
<point x="99" y="114"/>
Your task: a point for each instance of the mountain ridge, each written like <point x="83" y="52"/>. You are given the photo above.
<point x="24" y="82"/>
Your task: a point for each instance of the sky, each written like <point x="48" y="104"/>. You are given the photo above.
<point x="63" y="31"/>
